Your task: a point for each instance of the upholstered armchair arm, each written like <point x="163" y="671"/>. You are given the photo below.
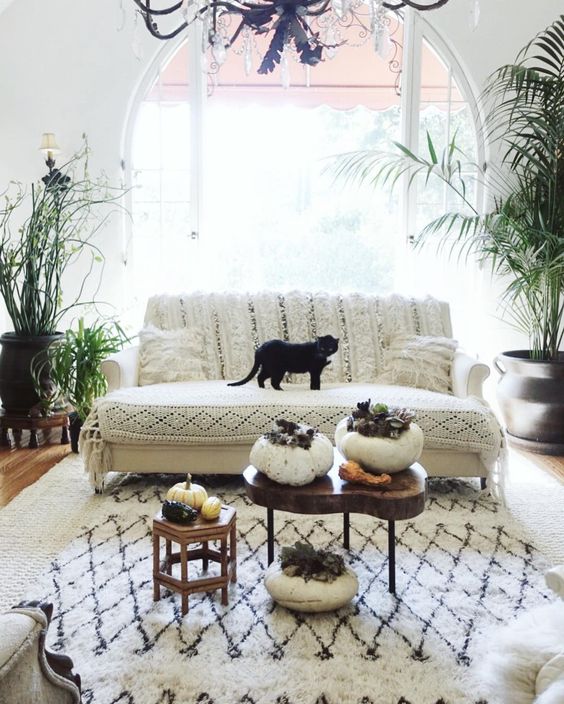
<point x="468" y="375"/>
<point x="121" y="368"/>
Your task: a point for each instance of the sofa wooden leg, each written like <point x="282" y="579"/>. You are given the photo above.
<point x="483" y="483"/>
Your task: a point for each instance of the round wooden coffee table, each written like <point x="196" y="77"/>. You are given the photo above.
<point x="403" y="498"/>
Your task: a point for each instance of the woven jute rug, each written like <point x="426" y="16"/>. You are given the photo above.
<point x="463" y="566"/>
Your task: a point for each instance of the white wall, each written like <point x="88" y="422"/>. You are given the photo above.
<point x="65" y="68"/>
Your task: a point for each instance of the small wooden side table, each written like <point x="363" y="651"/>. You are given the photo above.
<point x="203" y="532"/>
<point x="33" y="424"/>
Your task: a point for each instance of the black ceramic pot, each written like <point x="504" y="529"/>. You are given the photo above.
<point x="17" y="391"/>
<point x="75" y="425"/>
<point x="531" y="398"/>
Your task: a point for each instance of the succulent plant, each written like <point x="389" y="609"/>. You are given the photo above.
<point x="286" y="432"/>
<point x="303" y="560"/>
<point x="379" y="420"/>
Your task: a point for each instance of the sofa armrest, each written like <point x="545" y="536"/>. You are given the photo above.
<point x="121" y="368"/>
<point x="468" y="375"/>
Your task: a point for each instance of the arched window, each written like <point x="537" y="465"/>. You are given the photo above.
<point x="229" y="185"/>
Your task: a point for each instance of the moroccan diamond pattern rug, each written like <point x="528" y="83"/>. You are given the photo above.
<point x="462" y="567"/>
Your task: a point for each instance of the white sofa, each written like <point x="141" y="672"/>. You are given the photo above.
<point x="207" y="427"/>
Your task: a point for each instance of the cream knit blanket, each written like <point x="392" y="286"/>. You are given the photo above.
<point x="211" y="412"/>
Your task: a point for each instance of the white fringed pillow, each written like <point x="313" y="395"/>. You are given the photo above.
<point x="170" y="355"/>
<point x="420" y="361"/>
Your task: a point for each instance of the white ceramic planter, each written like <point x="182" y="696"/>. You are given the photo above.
<point x="311" y="596"/>
<point x="379" y="455"/>
<point x="290" y="464"/>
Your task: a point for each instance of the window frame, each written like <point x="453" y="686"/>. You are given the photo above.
<point x="416" y="30"/>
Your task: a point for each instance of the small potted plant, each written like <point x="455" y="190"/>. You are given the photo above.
<point x="379" y="438"/>
<point x="74" y="363"/>
<point x="307" y="579"/>
<point x="292" y="453"/>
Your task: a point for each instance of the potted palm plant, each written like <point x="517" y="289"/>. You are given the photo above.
<point x="521" y="234"/>
<point x="44" y="231"/>
<point x="74" y="364"/>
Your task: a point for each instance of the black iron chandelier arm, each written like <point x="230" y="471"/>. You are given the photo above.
<point x="316" y="13"/>
<point x="148" y="10"/>
<point x="414" y="5"/>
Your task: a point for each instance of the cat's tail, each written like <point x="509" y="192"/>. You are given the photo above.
<point x="249" y="376"/>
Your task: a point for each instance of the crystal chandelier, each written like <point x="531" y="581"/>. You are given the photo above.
<point x="311" y="29"/>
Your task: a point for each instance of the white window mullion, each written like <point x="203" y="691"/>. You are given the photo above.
<point x="197" y="90"/>
<point x="410" y="102"/>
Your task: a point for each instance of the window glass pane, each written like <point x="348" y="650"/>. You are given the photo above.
<point x="274" y="219"/>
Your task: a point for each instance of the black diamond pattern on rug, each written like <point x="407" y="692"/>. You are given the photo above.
<point x="462" y="567"/>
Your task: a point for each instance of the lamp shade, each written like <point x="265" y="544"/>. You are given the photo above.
<point x="49" y="144"/>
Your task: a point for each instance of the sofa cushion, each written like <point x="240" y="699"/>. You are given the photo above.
<point x="170" y="355"/>
<point x="422" y="361"/>
<point x="212" y="412"/>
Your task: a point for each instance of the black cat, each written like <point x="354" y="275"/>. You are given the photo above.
<point x="276" y="357"/>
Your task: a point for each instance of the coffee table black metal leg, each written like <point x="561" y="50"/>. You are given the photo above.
<point x="270" y="534"/>
<point x="392" y="557"/>
<point x="346" y="531"/>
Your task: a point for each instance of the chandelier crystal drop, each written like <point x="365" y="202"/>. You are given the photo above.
<point x="310" y="31"/>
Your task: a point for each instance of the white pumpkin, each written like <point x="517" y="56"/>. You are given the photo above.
<point x="312" y="596"/>
<point x="377" y="454"/>
<point x="290" y="464"/>
<point x="188" y="493"/>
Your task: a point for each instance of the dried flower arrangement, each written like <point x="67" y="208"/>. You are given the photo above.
<point x="303" y="560"/>
<point x="286" y="432"/>
<point x="379" y="421"/>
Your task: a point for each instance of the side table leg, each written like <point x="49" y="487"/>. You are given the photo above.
<point x="33" y="444"/>
<point x="270" y="534"/>
<point x="184" y="577"/>
<point x="156" y="567"/>
<point x="205" y="560"/>
<point x="168" y="556"/>
<point x="346" y="531"/>
<point x="65" y="434"/>
<point x="233" y="552"/>
<point x="392" y="557"/>
<point x="5" y="438"/>
<point x="224" y="576"/>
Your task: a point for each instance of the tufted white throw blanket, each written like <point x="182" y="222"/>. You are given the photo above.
<point x="233" y="325"/>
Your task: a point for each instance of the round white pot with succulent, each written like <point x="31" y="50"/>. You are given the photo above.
<point x="292" y="454"/>
<point x="379" y="438"/>
<point x="310" y="580"/>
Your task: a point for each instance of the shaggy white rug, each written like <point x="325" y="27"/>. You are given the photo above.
<point x="462" y="566"/>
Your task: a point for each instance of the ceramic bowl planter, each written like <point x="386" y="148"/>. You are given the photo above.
<point x="292" y="454"/>
<point x="380" y="439"/>
<point x="310" y="596"/>
<point x="380" y="454"/>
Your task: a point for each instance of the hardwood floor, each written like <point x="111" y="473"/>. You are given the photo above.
<point x="20" y="466"/>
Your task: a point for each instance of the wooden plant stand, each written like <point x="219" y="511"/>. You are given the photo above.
<point x="33" y="424"/>
<point x="203" y="532"/>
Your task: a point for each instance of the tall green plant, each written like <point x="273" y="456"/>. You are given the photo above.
<point x="74" y="365"/>
<point x="521" y="236"/>
<point x="45" y="230"/>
